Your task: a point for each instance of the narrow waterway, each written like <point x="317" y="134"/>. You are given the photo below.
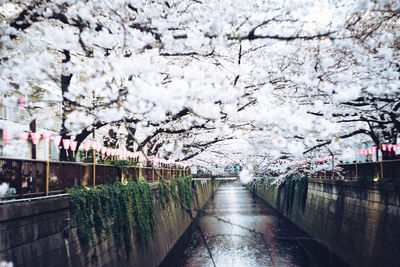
<point x="241" y="230"/>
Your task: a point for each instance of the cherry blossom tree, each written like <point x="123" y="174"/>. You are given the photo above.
<point x="291" y="80"/>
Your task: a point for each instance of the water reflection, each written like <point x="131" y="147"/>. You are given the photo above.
<point x="241" y="230"/>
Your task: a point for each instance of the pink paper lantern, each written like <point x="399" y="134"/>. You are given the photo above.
<point x="93" y="145"/>
<point x="66" y="143"/>
<point x="86" y="146"/>
<point x="22" y="102"/>
<point x="56" y="140"/>
<point x="35" y="138"/>
<point x="73" y="145"/>
<point x="7" y="137"/>
<point x="113" y="152"/>
<point x="98" y="147"/>
<point x="394" y="147"/>
<point x="384" y="147"/>
<point x="108" y="151"/>
<point x="103" y="150"/>
<point x="24" y="137"/>
<point x="46" y="136"/>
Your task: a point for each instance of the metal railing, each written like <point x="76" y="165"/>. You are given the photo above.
<point x="225" y="175"/>
<point x="31" y="178"/>
<point x="353" y="171"/>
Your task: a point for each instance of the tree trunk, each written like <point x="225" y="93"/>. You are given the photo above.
<point x="32" y="127"/>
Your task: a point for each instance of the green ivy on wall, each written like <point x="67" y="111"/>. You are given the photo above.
<point x="180" y="189"/>
<point x="174" y="193"/>
<point x="142" y="211"/>
<point x="163" y="193"/>
<point x="81" y="205"/>
<point x="185" y="190"/>
<point x="292" y="195"/>
<point x="121" y="208"/>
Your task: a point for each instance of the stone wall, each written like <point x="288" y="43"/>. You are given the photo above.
<point x="360" y="224"/>
<point x="41" y="233"/>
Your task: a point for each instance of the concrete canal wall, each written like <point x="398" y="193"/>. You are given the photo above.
<point x="360" y="224"/>
<point x="42" y="233"/>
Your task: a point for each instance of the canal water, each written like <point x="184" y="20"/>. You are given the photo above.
<point x="239" y="229"/>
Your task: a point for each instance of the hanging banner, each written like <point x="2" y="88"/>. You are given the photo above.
<point x="35" y="138"/>
<point x="86" y="146"/>
<point x="46" y="136"/>
<point x="73" y="146"/>
<point x="93" y="145"/>
<point x="66" y="143"/>
<point x="98" y="147"/>
<point x="7" y="137"/>
<point x="56" y="141"/>
<point x="24" y="137"/>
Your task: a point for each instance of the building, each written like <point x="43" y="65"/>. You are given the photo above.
<point x="32" y="113"/>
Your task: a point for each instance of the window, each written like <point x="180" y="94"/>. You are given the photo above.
<point x="14" y="113"/>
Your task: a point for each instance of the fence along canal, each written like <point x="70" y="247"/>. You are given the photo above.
<point x="32" y="178"/>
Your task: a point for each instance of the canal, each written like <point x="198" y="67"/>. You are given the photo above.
<point x="240" y="229"/>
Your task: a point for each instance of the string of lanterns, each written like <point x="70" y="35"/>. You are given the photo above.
<point x="68" y="144"/>
<point x="360" y="152"/>
<point x="384" y="147"/>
